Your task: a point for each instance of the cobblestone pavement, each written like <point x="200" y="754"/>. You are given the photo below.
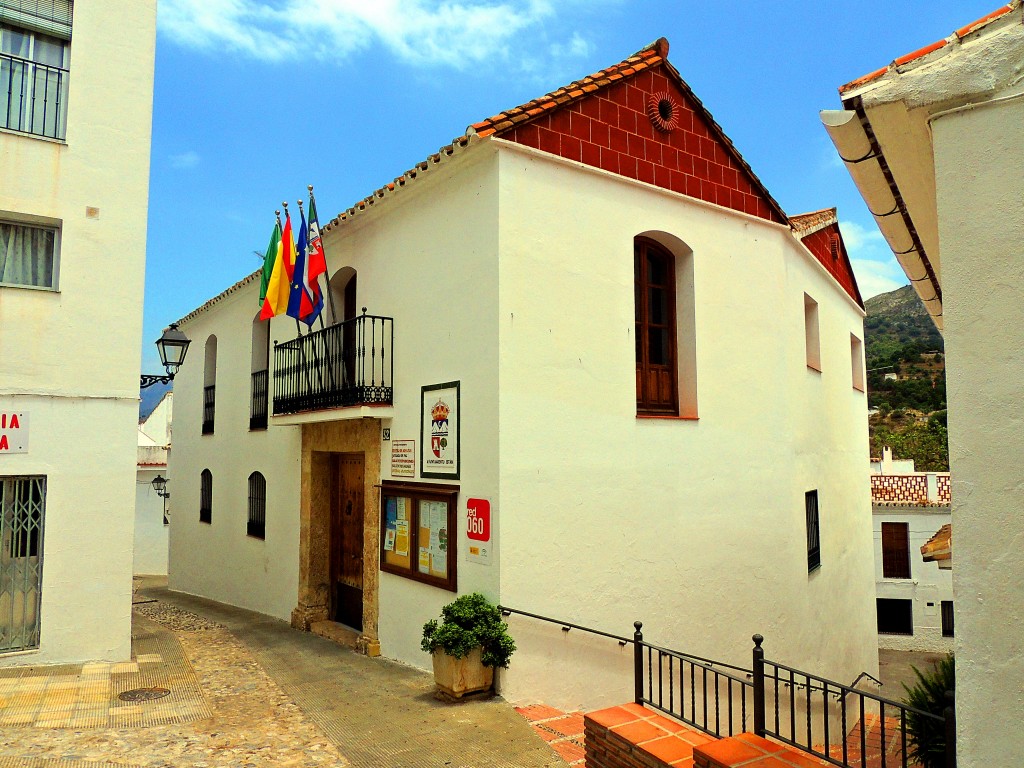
<point x="249" y="691"/>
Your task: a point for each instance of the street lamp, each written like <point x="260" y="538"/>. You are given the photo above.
<point x="160" y="486"/>
<point x="172" y="346"/>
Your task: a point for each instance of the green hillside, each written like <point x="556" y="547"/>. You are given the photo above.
<point x="901" y="341"/>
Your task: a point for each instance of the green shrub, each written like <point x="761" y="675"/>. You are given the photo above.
<point x="470" y="622"/>
<point x="927" y="737"/>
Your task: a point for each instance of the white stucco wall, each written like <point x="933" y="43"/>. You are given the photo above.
<point x="695" y="527"/>
<point x="928" y="584"/>
<point x="979" y="166"/>
<point x="428" y="257"/>
<point x="218" y="560"/>
<point x="151" y="535"/>
<point x="84" y="407"/>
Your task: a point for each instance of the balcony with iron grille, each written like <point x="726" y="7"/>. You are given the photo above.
<point x="33" y="97"/>
<point x="343" y="371"/>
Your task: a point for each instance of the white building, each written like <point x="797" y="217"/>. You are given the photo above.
<point x="914" y="597"/>
<point x="75" y="115"/>
<point x="151" y="520"/>
<point x="941" y="131"/>
<point x="620" y="418"/>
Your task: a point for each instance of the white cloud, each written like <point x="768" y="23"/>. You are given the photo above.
<point x="874" y="265"/>
<point x="856" y="236"/>
<point x="423" y="32"/>
<point x="185" y="160"/>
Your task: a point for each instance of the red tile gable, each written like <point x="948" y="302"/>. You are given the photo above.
<point x="819" y="232"/>
<point x="611" y="120"/>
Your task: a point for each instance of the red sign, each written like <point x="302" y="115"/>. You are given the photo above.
<point x="478" y="519"/>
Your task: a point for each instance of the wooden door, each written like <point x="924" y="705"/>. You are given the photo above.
<point x="346" y="559"/>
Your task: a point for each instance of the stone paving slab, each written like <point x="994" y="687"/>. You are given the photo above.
<point x="378" y="713"/>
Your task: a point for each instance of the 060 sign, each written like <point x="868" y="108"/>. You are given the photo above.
<point x="478" y="519"/>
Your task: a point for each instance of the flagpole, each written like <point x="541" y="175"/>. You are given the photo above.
<point x="291" y="284"/>
<point x="306" y="262"/>
<point x="327" y="273"/>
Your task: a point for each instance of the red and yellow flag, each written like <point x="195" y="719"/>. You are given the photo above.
<point x="279" y="284"/>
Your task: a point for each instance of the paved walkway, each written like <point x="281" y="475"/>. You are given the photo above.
<point x="249" y="691"/>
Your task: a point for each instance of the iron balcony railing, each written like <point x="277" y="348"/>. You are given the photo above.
<point x="209" y="408"/>
<point x="345" y="364"/>
<point x="33" y="97"/>
<point x="259" y="396"/>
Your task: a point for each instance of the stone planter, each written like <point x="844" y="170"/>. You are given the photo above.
<point x="457" y="677"/>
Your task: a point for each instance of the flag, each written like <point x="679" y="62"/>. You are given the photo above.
<point x="269" y="259"/>
<point x="316" y="261"/>
<point x="279" y="284"/>
<point x="299" y="304"/>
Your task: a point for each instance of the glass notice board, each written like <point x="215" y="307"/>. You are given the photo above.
<point x="417" y="532"/>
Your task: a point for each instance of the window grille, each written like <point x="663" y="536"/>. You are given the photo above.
<point x="22" y="512"/>
<point x="257" y="525"/>
<point x="33" y="80"/>
<point x="206" y="497"/>
<point x="813" y="536"/>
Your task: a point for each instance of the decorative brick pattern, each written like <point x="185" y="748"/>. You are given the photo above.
<point x="750" y="751"/>
<point x="910" y="489"/>
<point x="562" y="731"/>
<point x="827" y="246"/>
<point x="611" y="130"/>
<point x="630" y="736"/>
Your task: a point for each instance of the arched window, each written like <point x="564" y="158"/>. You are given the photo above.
<point x="257" y="525"/>
<point x="209" y="385"/>
<point x="655" y="323"/>
<point x="259" y="391"/>
<point x="206" y="497"/>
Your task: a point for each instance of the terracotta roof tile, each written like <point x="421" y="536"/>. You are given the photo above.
<point x="940" y="546"/>
<point x="956" y="37"/>
<point x="808" y="223"/>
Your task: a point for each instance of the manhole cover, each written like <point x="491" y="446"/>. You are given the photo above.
<point x="143" y="694"/>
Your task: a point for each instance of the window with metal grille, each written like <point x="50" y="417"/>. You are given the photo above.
<point x="895" y="617"/>
<point x="22" y="512"/>
<point x="210" y="385"/>
<point x="34" y="60"/>
<point x="206" y="497"/>
<point x="947" y="618"/>
<point x="896" y="550"/>
<point x="257" y="525"/>
<point x="813" y="536"/>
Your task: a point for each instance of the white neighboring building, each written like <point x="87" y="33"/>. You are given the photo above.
<point x="914" y="597"/>
<point x="151" y="520"/>
<point x="75" y="120"/>
<point x="628" y="453"/>
<point x="940" y="129"/>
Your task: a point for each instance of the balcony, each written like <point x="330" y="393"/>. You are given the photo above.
<point x="341" y="366"/>
<point x="33" y="97"/>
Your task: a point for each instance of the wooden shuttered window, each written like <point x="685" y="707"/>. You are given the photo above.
<point x="895" y="550"/>
<point x="655" y="329"/>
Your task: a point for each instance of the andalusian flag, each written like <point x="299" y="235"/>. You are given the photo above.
<point x="279" y="285"/>
<point x="269" y="259"/>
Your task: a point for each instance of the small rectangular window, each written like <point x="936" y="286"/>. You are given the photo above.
<point x="896" y="550"/>
<point x="812" y="342"/>
<point x="417" y="532"/>
<point x="895" y="617"/>
<point x="857" y="362"/>
<point x="206" y="497"/>
<point x="947" y="618"/>
<point x="28" y="255"/>
<point x="813" y="533"/>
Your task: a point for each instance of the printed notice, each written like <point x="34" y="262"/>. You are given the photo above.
<point x="403" y="458"/>
<point x="389" y="540"/>
<point x="13" y="432"/>
<point x="424" y="560"/>
<point x="402" y="538"/>
<point x="401" y="508"/>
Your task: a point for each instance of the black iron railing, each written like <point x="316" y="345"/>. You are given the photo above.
<point x="33" y="97"/>
<point x="259" y="397"/>
<point x="345" y="364"/>
<point x="842" y="725"/>
<point x="711" y="696"/>
<point x="209" y="408"/>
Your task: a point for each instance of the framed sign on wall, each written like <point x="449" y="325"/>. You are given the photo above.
<point x="439" y="431"/>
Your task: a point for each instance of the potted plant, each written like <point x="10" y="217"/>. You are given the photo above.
<point x="468" y="644"/>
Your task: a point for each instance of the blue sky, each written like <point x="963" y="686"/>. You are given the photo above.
<point x="255" y="99"/>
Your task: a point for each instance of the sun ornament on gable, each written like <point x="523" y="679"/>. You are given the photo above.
<point x="663" y="111"/>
